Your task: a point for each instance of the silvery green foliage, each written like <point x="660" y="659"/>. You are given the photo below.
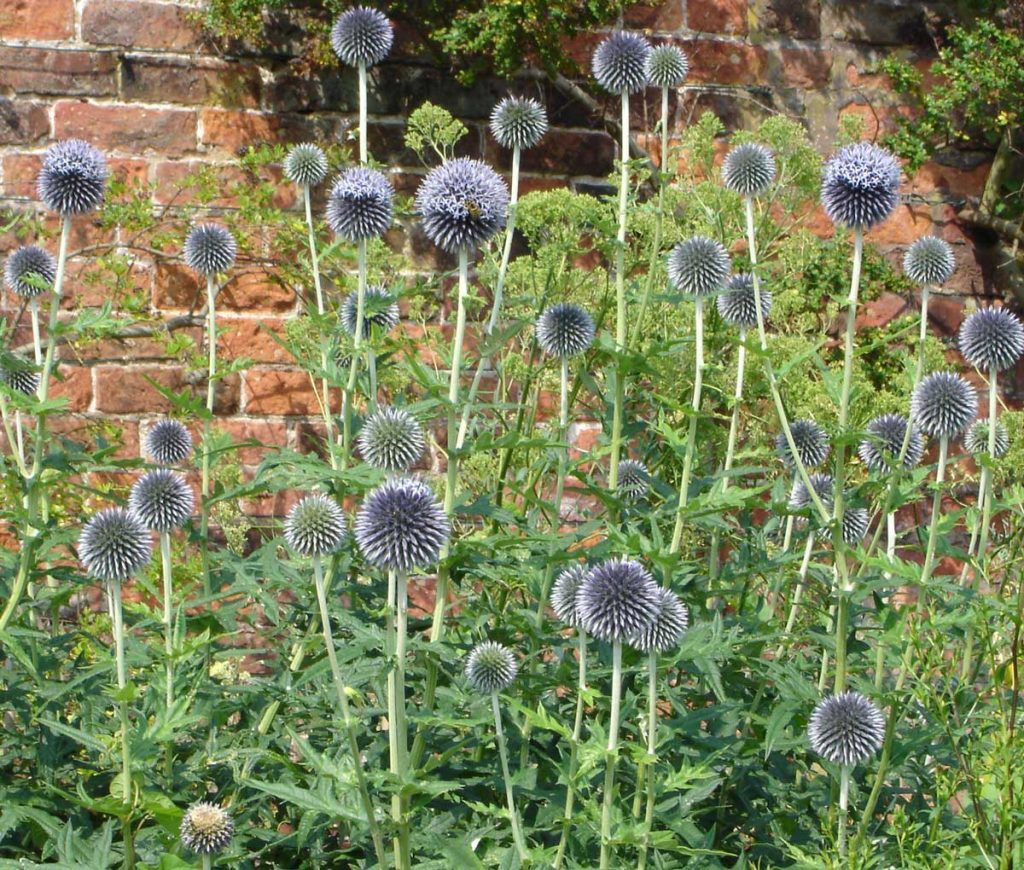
<point x="27" y="268"/>
<point x="491" y="667"/>
<point x="564" y="329"/>
<point x="209" y="249"/>
<point x="162" y="499"/>
<point x="738" y="305"/>
<point x="976" y="439"/>
<point x="315" y="526"/>
<point x="634" y="480"/>
<point x="929" y="261"/>
<point x="73" y="178"/>
<point x="749" y="169"/>
<point x="667" y="66"/>
<point x="360" y="204"/>
<point x="21" y="378"/>
<point x="860" y="185"/>
<point x="884" y="440"/>
<point x="800" y="498"/>
<point x="306" y="165"/>
<point x="169" y="442"/>
<point x="362" y="36"/>
<point x="991" y="338"/>
<point x="810" y="440"/>
<point x="518" y="122"/>
<point x="699" y="266"/>
<point x="391" y="439"/>
<point x="401" y="525"/>
<point x="846" y="729"/>
<point x="114" y="545"/>
<point x="563" y="594"/>
<point x="664" y="631"/>
<point x="380" y="311"/>
<point x="620" y="63"/>
<point x="618" y="600"/>
<point x="943" y="405"/>
<point x="463" y="203"/>
<point x="206" y="828"/>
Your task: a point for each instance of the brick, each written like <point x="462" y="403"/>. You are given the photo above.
<point x="36" y="19"/>
<point x="572" y="153"/>
<point x="805" y="68"/>
<point x="881" y="311"/>
<point x="717" y="16"/>
<point x="281" y="392"/>
<point x="20" y="174"/>
<point x="269" y="435"/>
<point x="236" y="131"/>
<point x="877" y="22"/>
<point x="75" y="385"/>
<point x="126" y="390"/>
<point x="22" y="123"/>
<point x="88" y="283"/>
<point x="177" y="287"/>
<point x="141" y="348"/>
<point x="127" y="128"/>
<point x="877" y="121"/>
<point x="799" y="19"/>
<point x="85" y="230"/>
<point x="139" y="25"/>
<point x="192" y="82"/>
<point x="252" y="291"/>
<point x="946" y="313"/>
<point x="61" y="73"/>
<point x="934" y="177"/>
<point x="725" y="63"/>
<point x="254" y="339"/>
<point x="664" y="15"/>
<point x="88" y="431"/>
<point x="907" y="224"/>
<point x="176" y="182"/>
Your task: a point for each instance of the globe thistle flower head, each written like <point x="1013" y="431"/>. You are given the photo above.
<point x="664" y="631"/>
<point x="518" y="122"/>
<point x="810" y="440"/>
<point x="929" y="261"/>
<point x="634" y="480"/>
<point x="491" y="667"/>
<point x="564" y="329"/>
<point x="114" y="545"/>
<point x="860" y="185"/>
<point x="563" y="594"/>
<point x="21" y="378"/>
<point x="206" y="828"/>
<point x="168" y="442"/>
<point x="749" y="169"/>
<point x="401" y="525"/>
<point x="306" y="165"/>
<point x="738" y="305"/>
<point x="846" y="729"/>
<point x="667" y="66"/>
<point x="391" y="439"/>
<point x="699" y="266"/>
<point x="73" y="178"/>
<point x="209" y="249"/>
<point x="800" y="498"/>
<point x="943" y="405"/>
<point x="618" y="600"/>
<point x="463" y="203"/>
<point x="620" y="63"/>
<point x="162" y="500"/>
<point x="30" y="271"/>
<point x="360" y="204"/>
<point x="380" y="311"/>
<point x="315" y="526"/>
<point x="991" y="338"/>
<point x="362" y="36"/>
<point x="881" y="448"/>
<point x="976" y="439"/>
<point x="855" y="526"/>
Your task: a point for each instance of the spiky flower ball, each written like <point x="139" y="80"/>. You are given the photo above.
<point x="620" y="62"/>
<point x="391" y="439"/>
<point x="749" y="169"/>
<point x="618" y="600"/>
<point x="114" y="545"/>
<point x="564" y="329"/>
<point x="162" y="500"/>
<point x="667" y="66"/>
<point x="991" y="338"/>
<point x="855" y="526"/>
<point x="21" y="378"/>
<point x="401" y="525"/>
<point x="169" y="442"/>
<point x="306" y="165"/>
<point x="810" y="440"/>
<point x="362" y="36"/>
<point x="881" y="448"/>
<point x="929" y="261"/>
<point x="664" y="631"/>
<point x="463" y="203"/>
<point x="738" y="305"/>
<point x="846" y="729"/>
<point x="518" y="122"/>
<point x="943" y="405"/>
<point x="564" y="591"/>
<point x="315" y="526"/>
<point x="699" y="266"/>
<point x="976" y="439"/>
<point x="209" y="249"/>
<point x="360" y="204"/>
<point x="634" y="480"/>
<point x="860" y="185"/>
<point x="800" y="498"/>
<point x="491" y="667"/>
<point x="380" y="311"/>
<point x="206" y="828"/>
<point x="29" y="271"/>
<point x="73" y="178"/>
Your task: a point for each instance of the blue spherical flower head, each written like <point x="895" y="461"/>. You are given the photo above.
<point x="518" y="122"/>
<point x="881" y="448"/>
<point x="315" y="526"/>
<point x="463" y="204"/>
<point x="991" y="338"/>
<point x="401" y="525"/>
<point x="169" y="442"/>
<point x="800" y="498"/>
<point x="491" y="667"/>
<point x="391" y="439"/>
<point x="620" y="63"/>
<point x="929" y="261"/>
<point x="114" y="545"/>
<point x="667" y="66"/>
<point x="665" y="630"/>
<point x="564" y="329"/>
<point x="846" y="729"/>
<point x="20" y="376"/>
<point x="976" y="439"/>
<point x="618" y="600"/>
<point x="362" y="36"/>
<point x="360" y="205"/>
<point x="210" y="249"/>
<point x="738" y="305"/>
<point x="860" y="186"/>
<point x="749" y="169"/>
<point x="162" y="499"/>
<point x="943" y="405"/>
<point x="380" y="311"/>
<point x="699" y="266"/>
<point x="206" y="828"/>
<point x="73" y="178"/>
<point x="563" y="594"/>
<point x="810" y="440"/>
<point x="30" y="271"/>
<point x="634" y="480"/>
<point x="306" y="165"/>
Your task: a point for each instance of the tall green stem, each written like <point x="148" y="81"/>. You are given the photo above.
<point x="211" y="386"/>
<point x="314" y="260"/>
<point x="357" y="343"/>
<point x="652" y="749"/>
<point x="403" y="855"/>
<point x="933" y="525"/>
<point x="168" y="577"/>
<point x="612" y="757"/>
<point x="844" y="805"/>
<point x="363" y="151"/>
<point x="620" y="302"/>
<point x="517" y="833"/>
<point x="127" y="792"/>
<point x="691" y="435"/>
<point x="794" y="607"/>
<point x="577" y="731"/>
<point x="37" y="344"/>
